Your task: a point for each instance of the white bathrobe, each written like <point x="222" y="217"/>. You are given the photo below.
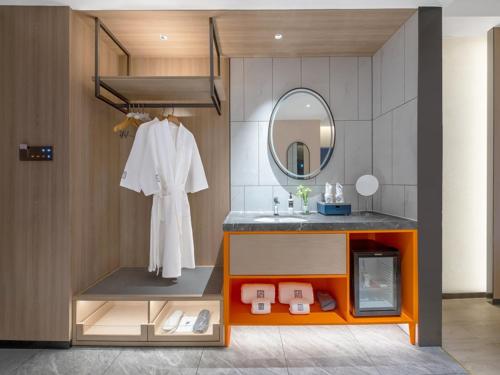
<point x="132" y="172"/>
<point x="171" y="168"/>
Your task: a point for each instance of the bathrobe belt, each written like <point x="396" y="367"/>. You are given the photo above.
<point x="176" y="192"/>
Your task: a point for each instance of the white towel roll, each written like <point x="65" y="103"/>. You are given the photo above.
<point x="291" y="290"/>
<point x="251" y="292"/>
<point x="261" y="306"/>
<point x="298" y="306"/>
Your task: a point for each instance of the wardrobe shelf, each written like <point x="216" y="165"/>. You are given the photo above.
<point x="138" y="284"/>
<point x="115" y="321"/>
<point x="189" y="308"/>
<point x="177" y="90"/>
<point x="129" y="307"/>
<point x="161" y="91"/>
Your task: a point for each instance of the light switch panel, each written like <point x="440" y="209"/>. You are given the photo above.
<point x="35" y="153"/>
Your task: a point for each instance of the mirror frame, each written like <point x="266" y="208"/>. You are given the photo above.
<point x="271" y="126"/>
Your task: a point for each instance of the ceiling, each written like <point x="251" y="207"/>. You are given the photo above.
<point x="460" y="17"/>
<point x="232" y="4"/>
<point x="251" y="33"/>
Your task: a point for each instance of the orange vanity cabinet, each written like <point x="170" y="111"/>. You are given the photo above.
<point x="320" y="258"/>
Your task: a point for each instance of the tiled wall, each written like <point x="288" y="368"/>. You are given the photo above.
<point x="395" y="81"/>
<point x="357" y="93"/>
<point x="256" y="85"/>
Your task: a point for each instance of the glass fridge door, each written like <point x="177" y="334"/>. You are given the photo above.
<point x="377" y="289"/>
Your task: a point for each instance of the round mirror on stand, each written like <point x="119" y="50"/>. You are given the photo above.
<point x="301" y="133"/>
<point x="366" y="186"/>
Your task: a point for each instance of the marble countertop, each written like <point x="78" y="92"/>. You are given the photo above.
<point x="246" y="221"/>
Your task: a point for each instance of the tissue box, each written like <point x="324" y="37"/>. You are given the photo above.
<point x="334" y="208"/>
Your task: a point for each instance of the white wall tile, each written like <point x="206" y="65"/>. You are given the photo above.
<point x="365" y="88"/>
<point x="315" y="197"/>
<point x="258" y="91"/>
<point x="244" y="153"/>
<point x="392" y="77"/>
<point x="286" y="76"/>
<point x="411" y="57"/>
<point x="411" y="202"/>
<point x="283" y="193"/>
<point x="294" y="181"/>
<point x="358" y="150"/>
<point x="377" y="92"/>
<point x="334" y="171"/>
<point x="316" y="75"/>
<point x="237" y="198"/>
<point x="269" y="173"/>
<point x="404" y="137"/>
<point x="258" y="198"/>
<point x="390" y="200"/>
<point x="351" y="196"/>
<point x="344" y="87"/>
<point x="382" y="148"/>
<point x="237" y="86"/>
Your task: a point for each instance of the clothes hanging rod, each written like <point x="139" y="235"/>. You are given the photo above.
<point x="126" y="102"/>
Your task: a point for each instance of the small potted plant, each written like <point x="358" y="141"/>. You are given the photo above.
<point x="303" y="193"/>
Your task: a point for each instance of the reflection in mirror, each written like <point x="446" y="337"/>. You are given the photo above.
<point x="301" y="133"/>
<point x="298" y="160"/>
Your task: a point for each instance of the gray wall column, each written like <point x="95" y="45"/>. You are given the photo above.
<point x="430" y="168"/>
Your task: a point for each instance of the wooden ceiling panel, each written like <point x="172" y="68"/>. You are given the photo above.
<point x="251" y="33"/>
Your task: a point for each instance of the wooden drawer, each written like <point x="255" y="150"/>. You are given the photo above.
<point x="287" y="254"/>
<point x="190" y="308"/>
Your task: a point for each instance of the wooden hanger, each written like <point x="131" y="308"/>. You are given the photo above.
<point x="129" y="120"/>
<point x="171" y="118"/>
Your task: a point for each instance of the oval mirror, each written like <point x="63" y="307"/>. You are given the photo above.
<point x="301" y="133"/>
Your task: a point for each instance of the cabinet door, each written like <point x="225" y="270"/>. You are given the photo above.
<point x="287" y="254"/>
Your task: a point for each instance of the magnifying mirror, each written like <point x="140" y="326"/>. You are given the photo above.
<point x="367" y="185"/>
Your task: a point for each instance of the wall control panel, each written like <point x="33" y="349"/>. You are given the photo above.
<point x="35" y="153"/>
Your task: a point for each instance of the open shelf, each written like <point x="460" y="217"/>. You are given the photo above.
<point x="129" y="307"/>
<point x="189" y="308"/>
<point x="116" y="321"/>
<point x="161" y="89"/>
<point x="337" y="285"/>
<point x="280" y="315"/>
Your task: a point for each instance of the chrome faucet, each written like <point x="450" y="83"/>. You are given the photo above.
<point x="276" y="205"/>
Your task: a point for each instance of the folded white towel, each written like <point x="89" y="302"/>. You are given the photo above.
<point x="299" y="306"/>
<point x="250" y="292"/>
<point x="261" y="306"/>
<point x="291" y="290"/>
<point x="172" y="321"/>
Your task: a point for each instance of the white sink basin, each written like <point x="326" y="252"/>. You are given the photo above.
<point x="285" y="219"/>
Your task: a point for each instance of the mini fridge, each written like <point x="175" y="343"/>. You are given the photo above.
<point x="375" y="279"/>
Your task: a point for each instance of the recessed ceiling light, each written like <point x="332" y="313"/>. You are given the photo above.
<point x="308" y="106"/>
<point x="278" y="36"/>
<point x="163" y="37"/>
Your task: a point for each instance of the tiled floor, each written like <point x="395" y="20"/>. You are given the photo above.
<point x="471" y="334"/>
<point x="339" y="350"/>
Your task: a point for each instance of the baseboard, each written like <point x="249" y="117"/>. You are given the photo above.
<point x="467" y="295"/>
<point x="495" y="301"/>
<point x="35" y="344"/>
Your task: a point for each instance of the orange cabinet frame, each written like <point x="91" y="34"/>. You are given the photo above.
<point x="236" y="313"/>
